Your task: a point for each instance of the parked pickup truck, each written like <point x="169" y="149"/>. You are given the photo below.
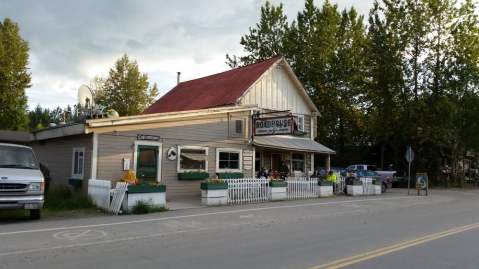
<point x="385" y="176"/>
<point x="21" y="182"/>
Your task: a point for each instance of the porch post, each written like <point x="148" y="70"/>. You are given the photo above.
<point x="328" y="162"/>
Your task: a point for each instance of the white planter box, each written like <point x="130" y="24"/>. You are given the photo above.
<point x="325" y="191"/>
<point x="354" y="190"/>
<point x="214" y="197"/>
<point x="377" y="190"/>
<point x="156" y="199"/>
<point x="278" y="193"/>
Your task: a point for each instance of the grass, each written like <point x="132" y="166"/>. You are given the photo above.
<point x="62" y="198"/>
<point x="144" y="208"/>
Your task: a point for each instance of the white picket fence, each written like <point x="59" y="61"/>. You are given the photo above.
<point x="106" y="198"/>
<point x="99" y="191"/>
<point x="118" y="197"/>
<point x="248" y="190"/>
<point x="302" y="188"/>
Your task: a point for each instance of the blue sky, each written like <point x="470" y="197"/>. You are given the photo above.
<point x="72" y="41"/>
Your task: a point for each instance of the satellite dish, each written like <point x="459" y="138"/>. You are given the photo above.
<point x="85" y="98"/>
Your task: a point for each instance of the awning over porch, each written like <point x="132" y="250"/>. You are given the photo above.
<point x="291" y="143"/>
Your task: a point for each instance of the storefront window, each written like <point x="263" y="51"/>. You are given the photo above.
<point x="298" y="162"/>
<point x="228" y="159"/>
<point x="194" y="158"/>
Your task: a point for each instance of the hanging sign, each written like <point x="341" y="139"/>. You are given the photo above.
<point x="273" y="126"/>
<point x="147" y="137"/>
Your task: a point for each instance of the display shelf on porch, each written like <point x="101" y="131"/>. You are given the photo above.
<point x="214" y="193"/>
<point x="356" y="189"/>
<point x="325" y="188"/>
<point x="153" y="195"/>
<point x="278" y="190"/>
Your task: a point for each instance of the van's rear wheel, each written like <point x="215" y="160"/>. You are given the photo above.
<point x="35" y="213"/>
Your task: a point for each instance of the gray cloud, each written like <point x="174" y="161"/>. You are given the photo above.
<point x="72" y="41"/>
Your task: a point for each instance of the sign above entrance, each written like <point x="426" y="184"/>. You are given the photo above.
<point x="273" y="126"/>
<point x="147" y="137"/>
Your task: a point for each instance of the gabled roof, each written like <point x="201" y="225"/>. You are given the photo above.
<point x="217" y="90"/>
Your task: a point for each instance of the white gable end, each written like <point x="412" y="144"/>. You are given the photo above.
<point x="276" y="90"/>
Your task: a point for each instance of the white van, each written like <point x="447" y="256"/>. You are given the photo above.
<point x="21" y="181"/>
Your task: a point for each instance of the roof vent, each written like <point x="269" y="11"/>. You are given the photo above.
<point x="178" y="75"/>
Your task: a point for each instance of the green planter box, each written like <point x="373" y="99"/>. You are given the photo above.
<point x="230" y="175"/>
<point x="214" y="186"/>
<point x="144" y="188"/>
<point x="277" y="184"/>
<point x="325" y="183"/>
<point x="193" y="175"/>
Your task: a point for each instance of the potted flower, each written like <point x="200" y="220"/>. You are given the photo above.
<point x="214" y="192"/>
<point x="355" y="188"/>
<point x="325" y="188"/>
<point x="278" y="189"/>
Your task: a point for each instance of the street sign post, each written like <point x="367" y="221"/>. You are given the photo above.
<point x="409" y="158"/>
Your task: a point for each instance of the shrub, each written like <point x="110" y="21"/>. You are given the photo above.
<point x="142" y="207"/>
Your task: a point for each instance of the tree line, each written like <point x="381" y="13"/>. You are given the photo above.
<point x="405" y="75"/>
<point x="125" y="89"/>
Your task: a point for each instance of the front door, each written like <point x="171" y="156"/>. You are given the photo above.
<point x="147" y="163"/>
<point x="276" y="161"/>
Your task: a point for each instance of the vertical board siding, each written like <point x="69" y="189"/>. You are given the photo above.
<point x="276" y="91"/>
<point x="56" y="154"/>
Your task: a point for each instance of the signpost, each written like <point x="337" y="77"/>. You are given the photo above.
<point x="409" y="158"/>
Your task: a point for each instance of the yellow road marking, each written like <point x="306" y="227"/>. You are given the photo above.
<point x="394" y="248"/>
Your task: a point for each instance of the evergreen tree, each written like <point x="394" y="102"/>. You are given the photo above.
<point x="14" y="77"/>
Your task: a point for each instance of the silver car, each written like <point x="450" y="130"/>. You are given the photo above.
<point x="21" y="181"/>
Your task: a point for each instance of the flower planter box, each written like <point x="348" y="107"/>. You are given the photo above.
<point x="193" y="176"/>
<point x="152" y="195"/>
<point x="231" y="175"/>
<point x="355" y="189"/>
<point x="214" y="194"/>
<point x="278" y="190"/>
<point x="326" y="191"/>
<point x="377" y="190"/>
<point x="325" y="188"/>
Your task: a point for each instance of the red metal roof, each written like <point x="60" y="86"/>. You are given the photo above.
<point x="220" y="89"/>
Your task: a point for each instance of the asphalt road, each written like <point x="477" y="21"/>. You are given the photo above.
<point x="389" y="231"/>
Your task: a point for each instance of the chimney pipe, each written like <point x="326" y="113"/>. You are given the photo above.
<point x="178" y="74"/>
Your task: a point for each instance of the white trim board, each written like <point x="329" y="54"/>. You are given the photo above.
<point x="178" y="167"/>
<point x="149" y="143"/>
<point x="234" y="150"/>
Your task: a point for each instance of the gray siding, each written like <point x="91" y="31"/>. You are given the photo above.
<point x="56" y="154"/>
<point x="211" y="133"/>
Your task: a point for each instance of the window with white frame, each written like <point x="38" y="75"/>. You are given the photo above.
<point x="300" y="123"/>
<point x="192" y="158"/>
<point x="298" y="162"/>
<point x="78" y="162"/>
<point x="228" y="159"/>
